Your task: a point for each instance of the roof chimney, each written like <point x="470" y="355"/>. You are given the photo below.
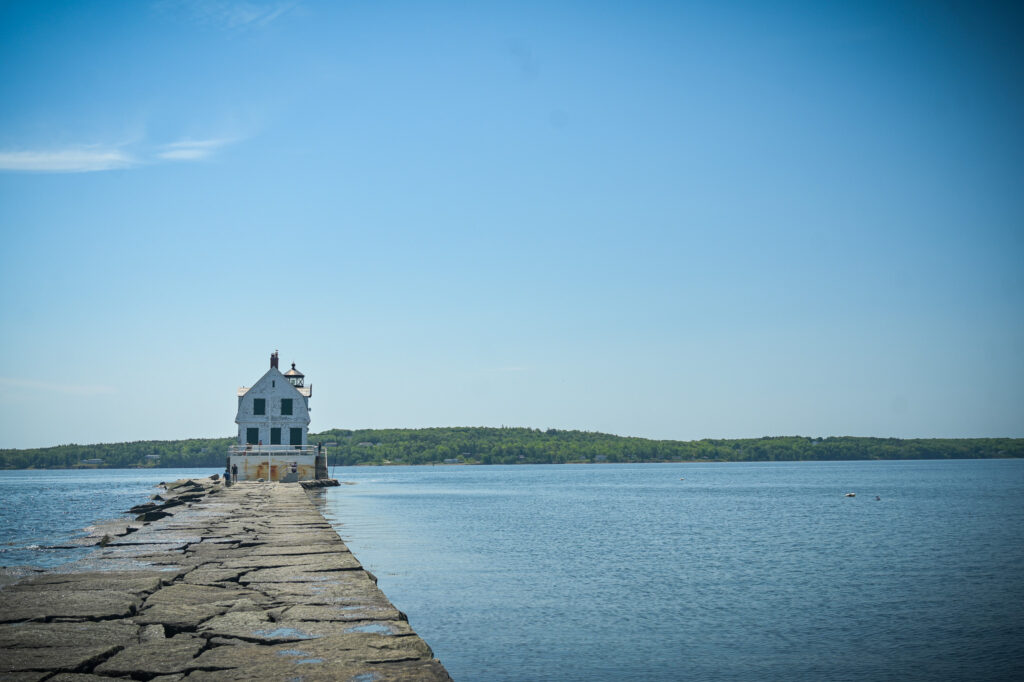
<point x="273" y="360"/>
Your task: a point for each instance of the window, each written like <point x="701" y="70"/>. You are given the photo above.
<point x="286" y="405"/>
<point x="252" y="436"/>
<point x="275" y="436"/>
<point x="259" y="405"/>
<point x="296" y="436"/>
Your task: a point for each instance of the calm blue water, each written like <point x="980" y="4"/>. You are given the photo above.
<point x="43" y="509"/>
<point x="609" y="572"/>
<point x="738" y="572"/>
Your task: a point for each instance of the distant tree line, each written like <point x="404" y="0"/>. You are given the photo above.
<point x="194" y="452"/>
<point x="485" y="445"/>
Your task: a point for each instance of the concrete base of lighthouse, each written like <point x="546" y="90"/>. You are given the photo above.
<point x="282" y="466"/>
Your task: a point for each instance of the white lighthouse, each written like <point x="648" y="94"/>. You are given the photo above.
<point x="273" y="422"/>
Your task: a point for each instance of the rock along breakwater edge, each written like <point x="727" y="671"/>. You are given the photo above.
<point x="247" y="582"/>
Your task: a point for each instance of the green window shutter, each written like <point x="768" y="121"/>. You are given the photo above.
<point x="296" y="436"/>
<point x="286" y="406"/>
<point x="259" y="406"/>
<point x="275" y="436"/>
<point x="252" y="436"/>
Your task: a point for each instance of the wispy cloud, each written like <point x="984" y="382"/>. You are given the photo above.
<point x="44" y="387"/>
<point x="72" y="160"/>
<point x="231" y="14"/>
<point x="190" y="150"/>
<point x="94" y="158"/>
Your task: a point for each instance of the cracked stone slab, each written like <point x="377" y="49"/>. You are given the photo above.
<point x="79" y="677"/>
<point x="133" y="548"/>
<point x="173" y="561"/>
<point x="24" y="676"/>
<point x="94" y="563"/>
<point x="293" y="574"/>
<point x="322" y="548"/>
<point x="127" y="554"/>
<point x="344" y="587"/>
<point x="54" y="658"/>
<point x="343" y="612"/>
<point x="226" y="641"/>
<point x="292" y="539"/>
<point x="182" y="594"/>
<point x="129" y="581"/>
<point x="57" y="635"/>
<point x="164" y="657"/>
<point x="217" y="551"/>
<point x="169" y="541"/>
<point x="300" y="667"/>
<point x="388" y="628"/>
<point x="293" y="531"/>
<point x="88" y="677"/>
<point x="180" y="616"/>
<point x="31" y="604"/>
<point x="257" y="627"/>
<point x="152" y="633"/>
<point x="308" y="562"/>
<point x="208" y="576"/>
<point x="332" y="654"/>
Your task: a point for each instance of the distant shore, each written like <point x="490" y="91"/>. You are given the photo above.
<point x="506" y="445"/>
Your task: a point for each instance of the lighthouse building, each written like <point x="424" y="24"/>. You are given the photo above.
<point x="273" y="423"/>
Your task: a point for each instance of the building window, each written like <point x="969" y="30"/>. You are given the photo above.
<point x="296" y="436"/>
<point x="259" y="406"/>
<point x="275" y="436"/>
<point x="252" y="436"/>
<point x="286" y="406"/>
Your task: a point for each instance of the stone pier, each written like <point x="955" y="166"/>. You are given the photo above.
<point x="247" y="582"/>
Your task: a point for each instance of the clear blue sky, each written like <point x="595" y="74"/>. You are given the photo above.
<point x="672" y="220"/>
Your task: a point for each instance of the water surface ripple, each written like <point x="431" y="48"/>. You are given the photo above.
<point x="739" y="572"/>
<point x="44" y="513"/>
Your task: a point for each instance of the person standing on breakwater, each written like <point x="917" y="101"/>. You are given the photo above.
<point x="234" y="472"/>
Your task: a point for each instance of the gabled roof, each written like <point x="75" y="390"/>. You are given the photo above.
<point x="306" y="391"/>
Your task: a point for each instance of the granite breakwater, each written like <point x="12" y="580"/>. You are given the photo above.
<point x="246" y="582"/>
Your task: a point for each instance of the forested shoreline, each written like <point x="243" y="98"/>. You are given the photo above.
<point x="515" y="445"/>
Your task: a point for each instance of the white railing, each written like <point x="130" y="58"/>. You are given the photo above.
<point x="264" y="450"/>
